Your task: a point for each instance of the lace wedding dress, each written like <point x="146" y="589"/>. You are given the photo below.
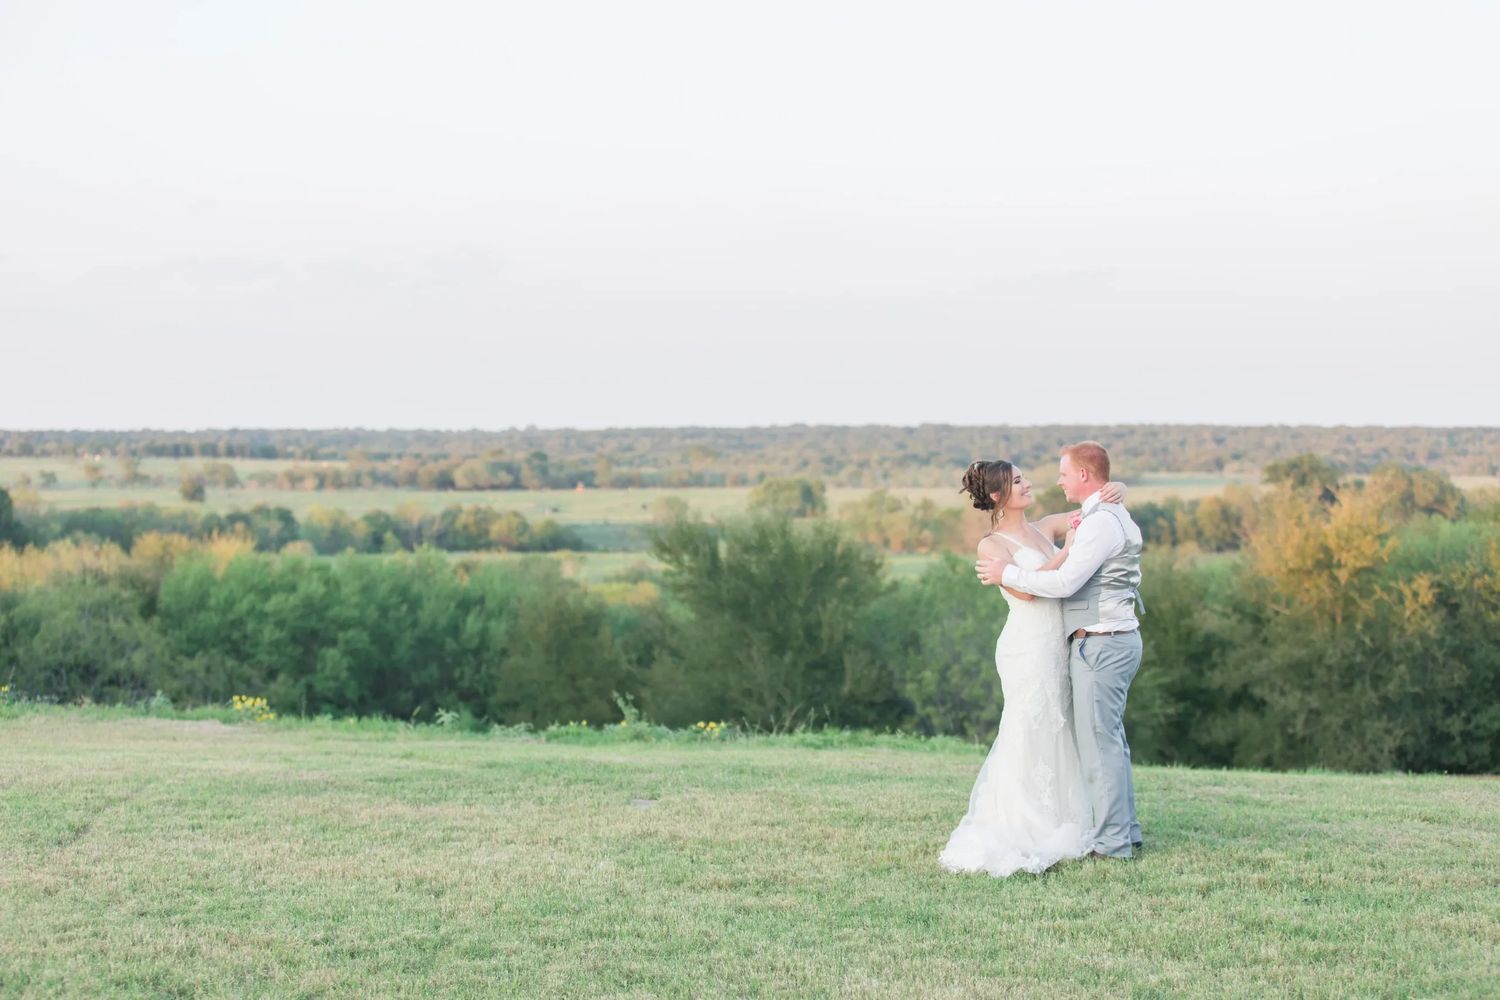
<point x="1029" y="808"/>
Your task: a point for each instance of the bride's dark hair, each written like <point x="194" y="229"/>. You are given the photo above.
<point x="984" y="478"/>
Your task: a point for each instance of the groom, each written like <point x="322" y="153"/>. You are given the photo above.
<point x="1099" y="582"/>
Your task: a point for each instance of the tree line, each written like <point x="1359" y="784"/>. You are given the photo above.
<point x="1351" y="629"/>
<point x="324" y="530"/>
<point x="867" y="456"/>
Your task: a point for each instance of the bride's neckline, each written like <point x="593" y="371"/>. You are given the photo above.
<point x="1035" y="534"/>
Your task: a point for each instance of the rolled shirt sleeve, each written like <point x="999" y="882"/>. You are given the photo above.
<point x="1096" y="539"/>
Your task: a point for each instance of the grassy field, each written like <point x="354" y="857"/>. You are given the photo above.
<point x="148" y="857"/>
<point x="611" y="522"/>
<point x="568" y="506"/>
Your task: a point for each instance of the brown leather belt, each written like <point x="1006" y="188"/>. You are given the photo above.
<point x="1083" y="632"/>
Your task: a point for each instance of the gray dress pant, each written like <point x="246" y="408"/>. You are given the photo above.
<point x="1102" y="667"/>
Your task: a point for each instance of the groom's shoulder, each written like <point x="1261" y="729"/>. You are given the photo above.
<point x="1117" y="512"/>
<point x="1122" y="517"/>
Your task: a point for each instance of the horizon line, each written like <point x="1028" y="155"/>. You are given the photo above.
<point x="534" y="428"/>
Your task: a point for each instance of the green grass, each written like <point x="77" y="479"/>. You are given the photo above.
<point x="152" y="857"/>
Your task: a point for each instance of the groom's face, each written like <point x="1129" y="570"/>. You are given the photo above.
<point x="1073" y="479"/>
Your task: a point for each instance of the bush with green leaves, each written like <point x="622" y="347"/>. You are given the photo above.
<point x="767" y="622"/>
<point x="83" y="640"/>
<point x="399" y="636"/>
<point x="935" y="637"/>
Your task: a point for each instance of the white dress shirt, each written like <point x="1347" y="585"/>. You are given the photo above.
<point x="1096" y="539"/>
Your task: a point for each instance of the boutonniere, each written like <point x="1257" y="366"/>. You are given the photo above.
<point x="1075" y="519"/>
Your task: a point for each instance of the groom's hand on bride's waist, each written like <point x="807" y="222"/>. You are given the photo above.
<point x="992" y="569"/>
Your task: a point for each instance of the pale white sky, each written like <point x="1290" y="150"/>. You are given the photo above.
<point x="489" y="214"/>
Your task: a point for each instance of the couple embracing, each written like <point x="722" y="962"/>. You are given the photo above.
<point x="1057" y="783"/>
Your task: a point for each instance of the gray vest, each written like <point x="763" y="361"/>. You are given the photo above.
<point x="1112" y="593"/>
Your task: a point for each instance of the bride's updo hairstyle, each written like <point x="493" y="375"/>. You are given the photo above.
<point x="983" y="478"/>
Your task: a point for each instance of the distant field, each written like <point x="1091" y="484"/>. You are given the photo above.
<point x="608" y="520"/>
<point x="629" y="506"/>
<point x="612" y="522"/>
<point x="69" y="471"/>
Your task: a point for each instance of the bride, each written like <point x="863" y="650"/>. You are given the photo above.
<point x="1029" y="808"/>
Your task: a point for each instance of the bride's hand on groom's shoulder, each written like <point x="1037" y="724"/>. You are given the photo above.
<point x="1112" y="492"/>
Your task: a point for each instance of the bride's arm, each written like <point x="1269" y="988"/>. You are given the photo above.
<point x="1055" y="526"/>
<point x="990" y="546"/>
<point x="1062" y="554"/>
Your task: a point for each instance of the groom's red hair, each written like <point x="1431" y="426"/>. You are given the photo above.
<point x="1092" y="456"/>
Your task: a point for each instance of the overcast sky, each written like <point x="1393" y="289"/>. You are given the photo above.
<point x="494" y="214"/>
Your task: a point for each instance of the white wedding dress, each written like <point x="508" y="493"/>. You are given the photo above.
<point x="1029" y="808"/>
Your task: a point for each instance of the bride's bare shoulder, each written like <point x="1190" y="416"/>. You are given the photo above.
<point x="992" y="545"/>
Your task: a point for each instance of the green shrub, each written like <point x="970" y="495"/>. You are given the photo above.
<point x="937" y="637"/>
<point x="83" y="640"/>
<point x="768" y="622"/>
